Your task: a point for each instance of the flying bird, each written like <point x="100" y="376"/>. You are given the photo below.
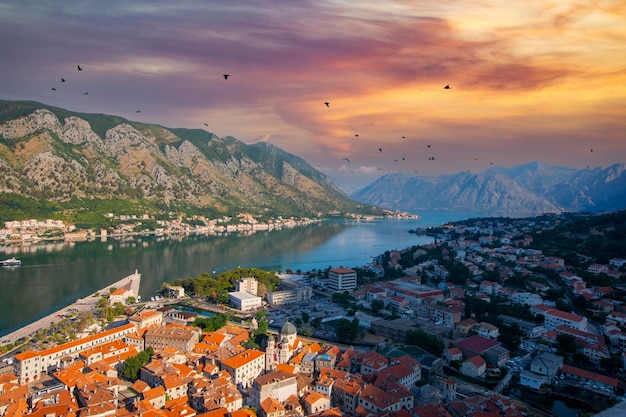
<point x="591" y="150"/>
<point x="380" y="150"/>
<point x="206" y="124"/>
<point x="346" y="159"/>
<point x="86" y="92"/>
<point x="54" y="89"/>
<point x="395" y="160"/>
<point x="137" y="111"/>
<point x="226" y="76"/>
<point x="327" y="104"/>
<point x="403" y="158"/>
<point x="62" y="80"/>
<point x="79" y="68"/>
<point x="428" y="146"/>
<point x="356" y="135"/>
<point x="447" y="87"/>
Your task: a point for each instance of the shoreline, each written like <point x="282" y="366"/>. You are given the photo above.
<point x="85" y="304"/>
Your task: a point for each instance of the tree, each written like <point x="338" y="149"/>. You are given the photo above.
<point x="130" y="367"/>
<point x="566" y="344"/>
<point x="377" y="305"/>
<point x="305" y="317"/>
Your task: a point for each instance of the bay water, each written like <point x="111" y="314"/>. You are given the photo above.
<point x="54" y="274"/>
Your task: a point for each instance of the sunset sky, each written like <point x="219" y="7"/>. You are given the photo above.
<point x="529" y="80"/>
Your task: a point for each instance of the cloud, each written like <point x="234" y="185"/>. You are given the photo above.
<point x="262" y="138"/>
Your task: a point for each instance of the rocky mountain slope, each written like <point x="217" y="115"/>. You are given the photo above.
<point x="53" y="154"/>
<point x="530" y="188"/>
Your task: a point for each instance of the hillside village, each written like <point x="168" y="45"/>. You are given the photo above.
<point x="503" y="314"/>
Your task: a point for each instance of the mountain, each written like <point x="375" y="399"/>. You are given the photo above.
<point x="55" y="155"/>
<point x="531" y="188"/>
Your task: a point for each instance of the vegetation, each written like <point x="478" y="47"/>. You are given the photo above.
<point x="211" y="324"/>
<point x="430" y="343"/>
<point x="130" y="367"/>
<point x="216" y="288"/>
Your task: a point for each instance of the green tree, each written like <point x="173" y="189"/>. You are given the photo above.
<point x="376" y="306"/>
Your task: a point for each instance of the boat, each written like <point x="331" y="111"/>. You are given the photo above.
<point x="11" y="262"/>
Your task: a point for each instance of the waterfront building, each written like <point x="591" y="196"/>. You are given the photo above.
<point x="30" y="365"/>
<point x="341" y="279"/>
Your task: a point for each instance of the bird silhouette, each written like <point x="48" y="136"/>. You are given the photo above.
<point x="327" y="104"/>
<point x="402" y="137"/>
<point x="447" y="87"/>
<point x="54" y="89"/>
<point x="591" y="150"/>
<point x="137" y="111"/>
<point x="380" y="150"/>
<point x="226" y="76"/>
<point x="86" y="92"/>
<point x="428" y="146"/>
<point x="79" y="68"/>
<point x="356" y="135"/>
<point x="62" y="80"/>
<point x="395" y="160"/>
<point x="346" y="159"/>
<point x="403" y="158"/>
<point x="206" y="124"/>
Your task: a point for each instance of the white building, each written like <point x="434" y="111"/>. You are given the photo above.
<point x="244" y="301"/>
<point x="287" y="297"/>
<point x="341" y="279"/>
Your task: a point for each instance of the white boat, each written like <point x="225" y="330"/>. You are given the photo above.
<point x="11" y="262"/>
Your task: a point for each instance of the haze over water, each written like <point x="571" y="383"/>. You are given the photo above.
<point x="55" y="274"/>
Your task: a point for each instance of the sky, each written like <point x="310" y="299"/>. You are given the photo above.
<point x="533" y="80"/>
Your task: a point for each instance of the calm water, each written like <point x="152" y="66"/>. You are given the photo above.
<point x="55" y="274"/>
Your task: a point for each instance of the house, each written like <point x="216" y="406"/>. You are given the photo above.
<point x="278" y="384"/>
<point x="488" y="330"/>
<point x="465" y="326"/>
<point x="474" y="367"/>
<point x="542" y="370"/>
<point x="245" y="367"/>
<point x="315" y="403"/>
<point x="452" y="354"/>
<point x="270" y="407"/>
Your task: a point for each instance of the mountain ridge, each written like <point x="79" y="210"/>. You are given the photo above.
<point x="532" y="188"/>
<point x="58" y="155"/>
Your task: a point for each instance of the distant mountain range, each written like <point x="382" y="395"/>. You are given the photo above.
<point x="51" y="154"/>
<point x="531" y="188"/>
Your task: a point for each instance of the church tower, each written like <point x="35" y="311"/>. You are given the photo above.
<point x="271" y="356"/>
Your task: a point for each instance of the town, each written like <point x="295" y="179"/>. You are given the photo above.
<point x="494" y="316"/>
<point x="33" y="230"/>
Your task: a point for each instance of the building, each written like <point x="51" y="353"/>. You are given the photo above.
<point x="289" y="297"/>
<point x="248" y="284"/>
<point x="278" y="384"/>
<point x="282" y="350"/>
<point x="245" y="367"/>
<point x="28" y="366"/>
<point x="543" y="369"/>
<point x="182" y="338"/>
<point x="341" y="279"/>
<point x="556" y="318"/>
<point x="146" y="318"/>
<point x="244" y="301"/>
<point x="474" y="367"/>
